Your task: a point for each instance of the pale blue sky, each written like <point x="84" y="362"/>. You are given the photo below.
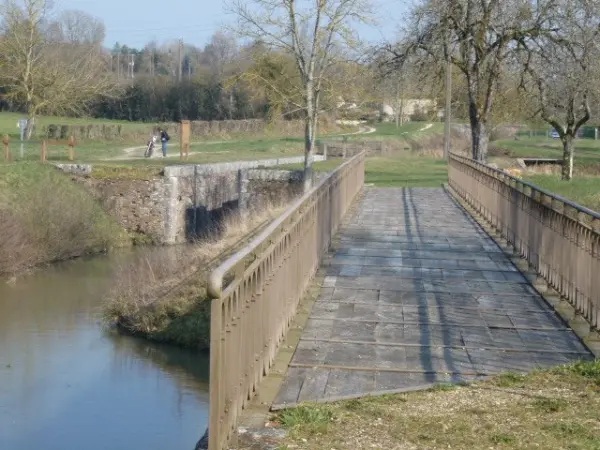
<point x="136" y="22"/>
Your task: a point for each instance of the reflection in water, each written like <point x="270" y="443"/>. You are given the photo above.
<point x="67" y="384"/>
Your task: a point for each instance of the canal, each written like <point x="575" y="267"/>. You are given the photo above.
<point x="67" y="383"/>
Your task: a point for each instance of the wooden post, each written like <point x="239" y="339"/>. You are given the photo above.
<point x="184" y="142"/>
<point x="71" y="148"/>
<point x="7" y="155"/>
<point x="44" y="151"/>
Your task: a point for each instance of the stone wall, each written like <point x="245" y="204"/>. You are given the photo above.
<point x="138" y="205"/>
<point x="191" y="200"/>
<point x="199" y="129"/>
<point x="260" y="188"/>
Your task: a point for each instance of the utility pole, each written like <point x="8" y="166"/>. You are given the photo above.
<point x="180" y="60"/>
<point x="118" y="65"/>
<point x="447" y="109"/>
<point x="131" y="64"/>
<point x="447" y="112"/>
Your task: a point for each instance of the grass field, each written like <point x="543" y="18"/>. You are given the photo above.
<point x="585" y="186"/>
<point x="406" y="170"/>
<point x="390" y="131"/>
<point x="555" y="409"/>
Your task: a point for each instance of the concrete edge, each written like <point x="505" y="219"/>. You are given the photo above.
<point x="421" y="387"/>
<point x="561" y="306"/>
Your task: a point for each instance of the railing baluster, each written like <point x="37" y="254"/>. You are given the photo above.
<point x="250" y="316"/>
<point x="560" y="238"/>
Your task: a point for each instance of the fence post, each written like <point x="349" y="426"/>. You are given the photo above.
<point x="7" y="155"/>
<point x="44" y="151"/>
<point x="71" y="148"/>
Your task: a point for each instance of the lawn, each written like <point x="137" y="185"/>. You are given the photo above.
<point x="406" y="170"/>
<point x="587" y="151"/>
<point x="200" y="152"/>
<point x="387" y="130"/>
<point x="555" y="409"/>
<point x="584" y="190"/>
<point x="585" y="186"/>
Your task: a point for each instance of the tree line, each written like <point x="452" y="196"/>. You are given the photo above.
<point x="509" y="60"/>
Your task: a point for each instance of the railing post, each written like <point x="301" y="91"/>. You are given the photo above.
<point x="557" y="237"/>
<point x="266" y="280"/>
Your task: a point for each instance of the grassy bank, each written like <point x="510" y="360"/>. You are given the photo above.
<point x="45" y="217"/>
<point x="162" y="295"/>
<point x="552" y="409"/>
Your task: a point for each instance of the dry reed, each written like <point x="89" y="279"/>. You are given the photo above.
<point x="161" y="292"/>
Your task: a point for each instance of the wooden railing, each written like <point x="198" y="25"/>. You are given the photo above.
<point x="559" y="238"/>
<point x="256" y="292"/>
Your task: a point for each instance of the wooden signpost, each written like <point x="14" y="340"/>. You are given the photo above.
<point x="184" y="142"/>
<point x="71" y="144"/>
<point x="44" y="151"/>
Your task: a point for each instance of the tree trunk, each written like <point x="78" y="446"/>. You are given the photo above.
<point x="30" y="126"/>
<point x="567" y="162"/>
<point x="309" y="136"/>
<point x="480" y="140"/>
<point x="308" y="153"/>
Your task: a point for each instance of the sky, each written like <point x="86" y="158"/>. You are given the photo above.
<point x="136" y="22"/>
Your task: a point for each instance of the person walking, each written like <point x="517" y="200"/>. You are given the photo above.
<point x="164" y="138"/>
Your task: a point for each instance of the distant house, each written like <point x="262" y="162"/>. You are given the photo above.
<point x="410" y="108"/>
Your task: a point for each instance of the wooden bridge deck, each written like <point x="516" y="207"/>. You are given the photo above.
<point x="416" y="293"/>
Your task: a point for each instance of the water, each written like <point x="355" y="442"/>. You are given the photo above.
<point x="65" y="383"/>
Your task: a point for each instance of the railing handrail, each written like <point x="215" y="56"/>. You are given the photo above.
<point x="265" y="282"/>
<point x="215" y="279"/>
<point x="566" y="201"/>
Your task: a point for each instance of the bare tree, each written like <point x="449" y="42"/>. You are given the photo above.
<point x="45" y="75"/>
<point x="561" y="72"/>
<point x="78" y="27"/>
<point x="309" y="31"/>
<point x="479" y="37"/>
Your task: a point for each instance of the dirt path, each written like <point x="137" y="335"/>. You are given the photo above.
<point x="138" y="151"/>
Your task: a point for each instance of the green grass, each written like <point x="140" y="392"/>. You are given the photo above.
<point x="411" y="128"/>
<point x="405" y="170"/>
<point x="551" y="409"/>
<point x="586" y="150"/>
<point x="584" y="190"/>
<point x="585" y="186"/>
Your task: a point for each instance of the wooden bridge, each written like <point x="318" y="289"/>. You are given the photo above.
<point x="416" y="292"/>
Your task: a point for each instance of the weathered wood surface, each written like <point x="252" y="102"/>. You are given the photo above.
<point x="416" y="293"/>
